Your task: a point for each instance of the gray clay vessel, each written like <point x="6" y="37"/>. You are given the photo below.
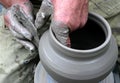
<point x="91" y="58"/>
<point x="41" y="76"/>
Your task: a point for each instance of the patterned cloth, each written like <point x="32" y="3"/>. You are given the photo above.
<point x="110" y="10"/>
<point x="106" y="8"/>
<point x="16" y="63"/>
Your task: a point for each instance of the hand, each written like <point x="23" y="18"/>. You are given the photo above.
<point x="68" y="16"/>
<point x="22" y="35"/>
<point x="43" y="14"/>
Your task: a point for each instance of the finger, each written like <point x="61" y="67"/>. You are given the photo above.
<point x="44" y="13"/>
<point x="29" y="46"/>
<point x="16" y="26"/>
<point x="28" y="9"/>
<point x="61" y="32"/>
<point x="23" y="19"/>
<point x="15" y="34"/>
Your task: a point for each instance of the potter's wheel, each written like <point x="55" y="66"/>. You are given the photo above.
<point x="41" y="76"/>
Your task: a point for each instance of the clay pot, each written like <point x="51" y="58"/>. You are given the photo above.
<point x="41" y="76"/>
<point x="92" y="56"/>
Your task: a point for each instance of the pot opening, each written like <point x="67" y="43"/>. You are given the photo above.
<point x="90" y="36"/>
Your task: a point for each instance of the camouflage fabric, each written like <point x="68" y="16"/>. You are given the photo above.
<point x="110" y="10"/>
<point x="106" y="8"/>
<point x="16" y="63"/>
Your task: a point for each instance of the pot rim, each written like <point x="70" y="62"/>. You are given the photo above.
<point x="104" y="44"/>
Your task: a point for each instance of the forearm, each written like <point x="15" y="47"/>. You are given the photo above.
<point x="71" y="12"/>
<point x="8" y="3"/>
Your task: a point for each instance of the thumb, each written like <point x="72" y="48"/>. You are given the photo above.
<point x="27" y="7"/>
<point x="61" y="32"/>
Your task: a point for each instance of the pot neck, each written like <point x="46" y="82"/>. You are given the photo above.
<point x="76" y="53"/>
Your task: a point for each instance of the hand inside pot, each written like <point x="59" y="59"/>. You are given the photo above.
<point x="68" y="16"/>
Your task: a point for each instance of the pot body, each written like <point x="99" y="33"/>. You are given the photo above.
<point x="80" y="65"/>
<point x="41" y="76"/>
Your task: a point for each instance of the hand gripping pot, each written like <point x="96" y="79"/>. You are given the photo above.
<point x="92" y="56"/>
